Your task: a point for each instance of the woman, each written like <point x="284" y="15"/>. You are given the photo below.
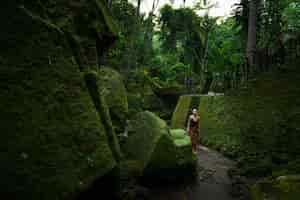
<point x="193" y="128"/>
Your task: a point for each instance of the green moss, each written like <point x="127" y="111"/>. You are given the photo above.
<point x="53" y="143"/>
<point x="152" y="102"/>
<point x="180" y="137"/>
<point x="170" y="160"/>
<point x="181" y="112"/>
<point x="114" y="92"/>
<point x="106" y="16"/>
<point x="161" y="154"/>
<point x="135" y="104"/>
<point x="144" y="130"/>
<point x="186" y="141"/>
<point x="178" y="133"/>
<point x="216" y="124"/>
<point x="257" y="124"/>
<point x="281" y="188"/>
<point x="91" y="79"/>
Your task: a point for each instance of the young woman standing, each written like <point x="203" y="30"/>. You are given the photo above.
<point x="193" y="128"/>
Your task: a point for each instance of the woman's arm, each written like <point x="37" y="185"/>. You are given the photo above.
<point x="188" y="124"/>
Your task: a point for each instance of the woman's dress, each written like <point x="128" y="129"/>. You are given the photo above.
<point x="194" y="133"/>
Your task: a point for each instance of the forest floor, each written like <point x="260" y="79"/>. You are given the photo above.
<point x="213" y="181"/>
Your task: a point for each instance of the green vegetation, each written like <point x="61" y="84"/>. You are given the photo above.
<point x="88" y="88"/>
<point x="181" y="112"/>
<point x="218" y="126"/>
<point x="259" y="124"/>
<point x="283" y="187"/>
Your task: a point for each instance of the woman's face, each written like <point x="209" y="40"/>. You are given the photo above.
<point x="194" y="111"/>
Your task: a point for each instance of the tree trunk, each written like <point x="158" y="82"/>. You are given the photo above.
<point x="138" y="7"/>
<point x="109" y="3"/>
<point x="252" y="32"/>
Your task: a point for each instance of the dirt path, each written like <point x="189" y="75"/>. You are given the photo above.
<point x="212" y="182"/>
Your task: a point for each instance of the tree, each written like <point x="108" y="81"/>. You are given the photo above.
<point x="252" y="33"/>
<point x="138" y="8"/>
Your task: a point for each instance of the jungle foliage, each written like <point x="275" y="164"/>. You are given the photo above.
<point x="178" y="47"/>
<point x="66" y="113"/>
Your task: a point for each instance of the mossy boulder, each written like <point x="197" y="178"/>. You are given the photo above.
<point x="180" y="137"/>
<point x="281" y="188"/>
<point x="114" y="92"/>
<point x="178" y="133"/>
<point x="162" y="155"/>
<point x="171" y="160"/>
<point x="144" y="131"/>
<point x="54" y="144"/>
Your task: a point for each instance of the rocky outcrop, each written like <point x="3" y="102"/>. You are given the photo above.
<point x="162" y="155"/>
<point x="54" y="141"/>
<point x="144" y="131"/>
<point x="171" y="160"/>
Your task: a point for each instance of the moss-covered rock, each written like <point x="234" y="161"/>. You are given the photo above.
<point x="170" y="161"/>
<point x="54" y="143"/>
<point x="281" y="188"/>
<point x="144" y="131"/>
<point x="172" y="158"/>
<point x="135" y="103"/>
<point x="162" y="155"/>
<point x="114" y="92"/>
<point x="92" y="82"/>
<point x="180" y="115"/>
<point x="178" y="133"/>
